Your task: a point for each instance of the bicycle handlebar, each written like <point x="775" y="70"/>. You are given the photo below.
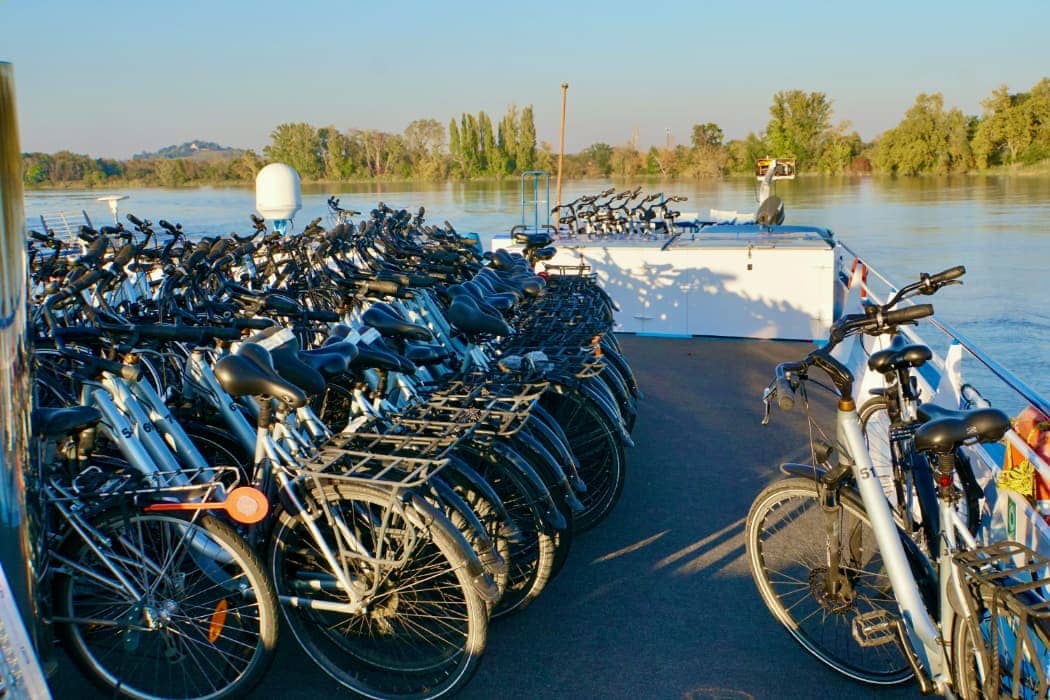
<point x="874" y="321"/>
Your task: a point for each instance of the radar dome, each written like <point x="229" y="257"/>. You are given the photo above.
<point x="277" y="192"/>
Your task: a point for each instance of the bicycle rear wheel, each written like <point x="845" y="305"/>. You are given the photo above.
<point x="203" y="626"/>
<point x="1013" y="631"/>
<point x="532" y="553"/>
<point x="598" y="448"/>
<point x="788" y="552"/>
<point x="423" y="627"/>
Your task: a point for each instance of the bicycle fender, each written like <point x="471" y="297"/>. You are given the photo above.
<point x="566" y="458"/>
<point x="553" y="519"/>
<point x="424" y="515"/>
<point x="611" y="412"/>
<point x="460" y="472"/>
<point x="547" y="465"/>
<point x="808" y="471"/>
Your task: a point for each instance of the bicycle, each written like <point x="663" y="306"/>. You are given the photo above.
<point x="147" y="604"/>
<point x="834" y="565"/>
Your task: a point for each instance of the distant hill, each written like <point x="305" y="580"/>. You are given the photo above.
<point x="199" y="150"/>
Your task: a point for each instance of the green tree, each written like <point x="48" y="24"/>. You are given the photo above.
<point x="424" y="138"/>
<point x="928" y="139"/>
<point x="797" y="125"/>
<point x="709" y="134"/>
<point x="299" y="146"/>
<point x="742" y="154"/>
<point x="1015" y="127"/>
<point x="708" y="157"/>
<point x="470" y="141"/>
<point x="424" y="147"/>
<point x="838" y="149"/>
<point x="506" y="139"/>
<point x="455" y="148"/>
<point x="525" y="141"/>
<point x="247" y="166"/>
<point x="171" y="172"/>
<point x="489" y="161"/>
<point x="36" y="174"/>
<point x="597" y="159"/>
<point x="626" y="161"/>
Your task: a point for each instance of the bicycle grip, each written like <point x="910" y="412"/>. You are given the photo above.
<point x="785" y="394"/>
<point x="253" y="323"/>
<point x="95" y="250"/>
<point x="84" y="281"/>
<point x="395" y="277"/>
<point x="380" y="287"/>
<point x="323" y="315"/>
<point x="124" y="255"/>
<point x="948" y="275"/>
<point x="135" y="220"/>
<point x="36" y="235"/>
<point x="908" y="313"/>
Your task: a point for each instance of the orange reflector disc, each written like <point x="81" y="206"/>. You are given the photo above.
<point x="247" y="505"/>
<point x="218" y="621"/>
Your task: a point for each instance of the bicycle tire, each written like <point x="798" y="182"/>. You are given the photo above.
<point x="489" y="509"/>
<point x="532" y="553"/>
<point x="547" y="468"/>
<point x="378" y="653"/>
<point x="788" y="514"/>
<point x="966" y="669"/>
<point x="599" y="450"/>
<point x="107" y="635"/>
<point x="463" y="516"/>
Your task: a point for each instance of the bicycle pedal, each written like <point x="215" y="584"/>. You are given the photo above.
<point x="875" y="628"/>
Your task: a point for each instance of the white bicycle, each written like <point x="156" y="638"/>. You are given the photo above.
<point x="834" y="565"/>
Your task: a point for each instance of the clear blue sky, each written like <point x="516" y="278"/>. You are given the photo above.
<point x="114" y="78"/>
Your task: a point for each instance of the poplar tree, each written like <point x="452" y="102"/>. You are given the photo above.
<point x="507" y="143"/>
<point x="490" y="160"/>
<point x="525" y="141"/>
<point x="455" y="146"/>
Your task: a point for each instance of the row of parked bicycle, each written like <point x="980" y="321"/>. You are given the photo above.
<point x="374" y="429"/>
<point x="612" y="214"/>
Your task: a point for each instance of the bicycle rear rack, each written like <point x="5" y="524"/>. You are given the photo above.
<point x="1014" y="580"/>
<point x="337" y="464"/>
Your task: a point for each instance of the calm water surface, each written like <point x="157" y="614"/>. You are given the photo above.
<point x="998" y="227"/>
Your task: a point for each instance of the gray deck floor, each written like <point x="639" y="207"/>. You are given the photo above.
<point x="657" y="601"/>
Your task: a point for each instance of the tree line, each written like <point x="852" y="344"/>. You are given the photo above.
<point x="1014" y="128"/>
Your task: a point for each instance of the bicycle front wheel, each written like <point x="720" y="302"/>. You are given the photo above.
<point x="422" y="627"/>
<point x="196" y="618"/>
<point x="788" y="552"/>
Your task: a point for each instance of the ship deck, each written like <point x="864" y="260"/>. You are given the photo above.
<point x="657" y="601"/>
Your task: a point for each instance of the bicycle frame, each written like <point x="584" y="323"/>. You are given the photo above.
<point x="928" y="637"/>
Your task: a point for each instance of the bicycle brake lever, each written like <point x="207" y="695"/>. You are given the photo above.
<point x="768" y="394"/>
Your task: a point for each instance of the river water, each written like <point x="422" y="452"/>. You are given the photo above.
<point x="999" y="228"/>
